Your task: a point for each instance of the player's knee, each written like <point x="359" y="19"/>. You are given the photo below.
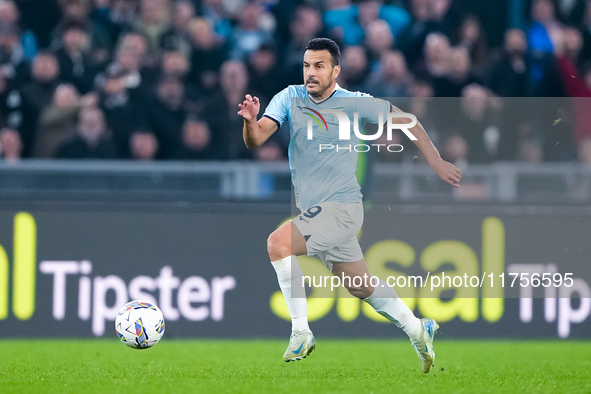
<point x="278" y="246"/>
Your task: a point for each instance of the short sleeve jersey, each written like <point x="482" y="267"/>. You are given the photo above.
<point x="320" y="173"/>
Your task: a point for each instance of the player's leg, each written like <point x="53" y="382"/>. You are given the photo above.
<point x="387" y="303"/>
<point x="359" y="288"/>
<point x="283" y="245"/>
<point x="382" y="298"/>
<point x="286" y="241"/>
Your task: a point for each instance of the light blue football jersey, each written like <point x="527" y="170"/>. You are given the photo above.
<point x="321" y="175"/>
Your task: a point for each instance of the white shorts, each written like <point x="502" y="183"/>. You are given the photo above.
<point x="330" y="230"/>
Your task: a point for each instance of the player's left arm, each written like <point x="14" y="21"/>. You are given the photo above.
<point x="445" y="170"/>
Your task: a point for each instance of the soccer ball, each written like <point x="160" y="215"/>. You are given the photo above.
<point x="139" y="324"/>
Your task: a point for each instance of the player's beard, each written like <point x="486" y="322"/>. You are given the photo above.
<point x="320" y="88"/>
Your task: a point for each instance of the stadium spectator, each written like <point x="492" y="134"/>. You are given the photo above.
<point x="79" y="11"/>
<point x="413" y="38"/>
<point x="306" y="25"/>
<point x="174" y="63"/>
<point x="12" y="109"/>
<point x="9" y="15"/>
<point x="510" y="74"/>
<point x="379" y="40"/>
<point x="154" y="23"/>
<point x="249" y="34"/>
<point x="73" y="57"/>
<point x="143" y="145"/>
<point x="544" y="26"/>
<point x="115" y="16"/>
<point x="44" y="79"/>
<point x="455" y="149"/>
<point x="567" y="10"/>
<point x="38" y="93"/>
<point x="392" y="78"/>
<point x="207" y="55"/>
<point x="557" y="140"/>
<point x="13" y="64"/>
<point x="196" y="141"/>
<point x="264" y="74"/>
<point x="117" y="100"/>
<point x="447" y="15"/>
<point x="184" y="11"/>
<point x="478" y="122"/>
<point x="166" y="114"/>
<point x="57" y="122"/>
<point x="269" y="152"/>
<point x="457" y="77"/>
<point x="435" y="62"/>
<point x="472" y="38"/>
<point x="220" y="114"/>
<point x="368" y="11"/>
<point x="218" y="16"/>
<point x="568" y="44"/>
<point x="11" y="145"/>
<point x="136" y="44"/>
<point x="127" y="66"/>
<point x="341" y="22"/>
<point x="397" y="18"/>
<point x="178" y="37"/>
<point x="92" y="139"/>
<point x="123" y="89"/>
<point x="354" y="73"/>
<point x="573" y="44"/>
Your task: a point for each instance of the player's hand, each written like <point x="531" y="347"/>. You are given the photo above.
<point x="448" y="172"/>
<point x="249" y="109"/>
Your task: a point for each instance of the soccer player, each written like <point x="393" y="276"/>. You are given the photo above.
<point x="329" y="197"/>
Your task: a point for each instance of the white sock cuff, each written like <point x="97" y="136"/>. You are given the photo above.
<point x="283" y="267"/>
<point x="383" y="291"/>
<point x="381" y="294"/>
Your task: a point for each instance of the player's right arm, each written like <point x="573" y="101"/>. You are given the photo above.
<point x="255" y="132"/>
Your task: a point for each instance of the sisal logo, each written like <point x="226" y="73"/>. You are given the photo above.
<point x="392" y="120"/>
<point x="24" y="266"/>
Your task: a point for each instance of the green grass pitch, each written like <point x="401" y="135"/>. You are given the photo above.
<point x="256" y="366"/>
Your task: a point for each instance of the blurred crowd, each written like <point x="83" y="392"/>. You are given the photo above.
<point x="161" y="79"/>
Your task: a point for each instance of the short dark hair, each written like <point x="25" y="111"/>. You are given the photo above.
<point x="320" y="44"/>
